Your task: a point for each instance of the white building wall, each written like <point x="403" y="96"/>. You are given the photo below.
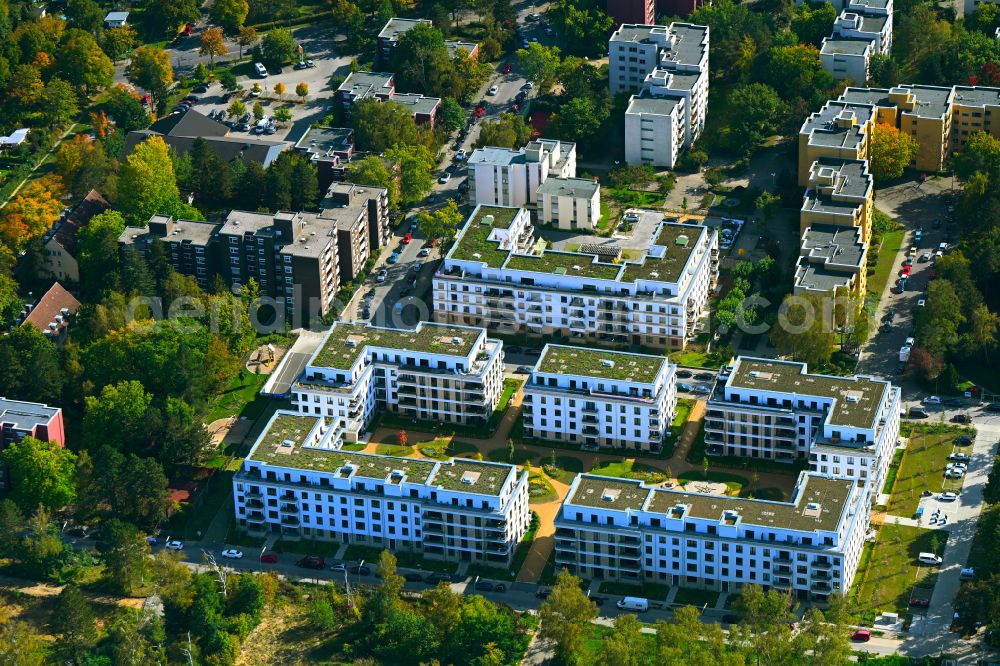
<point x="652" y="138"/>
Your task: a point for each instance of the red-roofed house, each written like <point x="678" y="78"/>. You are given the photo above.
<point x="52" y="312"/>
<point x="60" y="242"/>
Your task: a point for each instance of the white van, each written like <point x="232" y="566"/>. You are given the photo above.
<point x="260" y="69"/>
<point x="637" y="604"/>
<point x="929" y="558"/>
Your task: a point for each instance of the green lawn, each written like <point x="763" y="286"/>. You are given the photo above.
<point x="689" y="596"/>
<point x="890" y="475"/>
<point x="241" y="398"/>
<point x="681" y="416"/>
<point x="565" y="469"/>
<point x="207" y="503"/>
<point x="892" y="571"/>
<point x="520" y="457"/>
<point x="393" y="450"/>
<point x="892" y="241"/>
<point x="441" y="448"/>
<point x="627" y="469"/>
<point x="922" y="469"/>
<point x="697" y="359"/>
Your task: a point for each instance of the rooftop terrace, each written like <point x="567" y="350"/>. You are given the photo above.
<point x="856" y="399"/>
<point x="600" y="364"/>
<point x="346" y="341"/>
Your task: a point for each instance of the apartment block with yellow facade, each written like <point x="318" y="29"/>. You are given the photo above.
<point x="839" y="130"/>
<point x="832" y="262"/>
<point x="974" y="110"/>
<point x="840" y="193"/>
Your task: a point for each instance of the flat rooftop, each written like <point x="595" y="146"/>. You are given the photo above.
<point x="473" y="242"/>
<point x="496" y="156"/>
<point x="841" y="246"/>
<point x="600" y="364"/>
<point x="818" y="277"/>
<point x="363" y="84"/>
<point x="678" y="241"/>
<point x="690" y="45"/>
<point x="823" y="128"/>
<point x="662" y="106"/>
<point x="324" y="142"/>
<point x="346" y="341"/>
<point x="634" y="32"/>
<point x="25" y="415"/>
<point x="867" y="96"/>
<point x="873" y="23"/>
<point x="856" y="399"/>
<point x="569" y="187"/>
<point x="977" y="96"/>
<point x="395" y="27"/>
<point x="817" y="506"/>
<point x="416" y="102"/>
<point x="454" y="46"/>
<point x="932" y="101"/>
<point x="179" y="231"/>
<point x="852" y="178"/>
<point x="284" y="444"/>
<point x="845" y="46"/>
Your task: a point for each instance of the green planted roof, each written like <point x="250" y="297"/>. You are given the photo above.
<point x="347" y="340"/>
<point x="564" y="263"/>
<point x="600" y="363"/>
<point x="474" y="238"/>
<point x="677" y="241"/>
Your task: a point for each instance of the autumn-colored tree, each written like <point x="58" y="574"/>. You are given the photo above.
<point x="147" y="185"/>
<point x="151" y="69"/>
<point x="279" y="89"/>
<point x="891" y="152"/>
<point x="403" y="438"/>
<point x="31" y="213"/>
<point x="83" y="165"/>
<point x="302" y="90"/>
<point x="119" y="41"/>
<point x="213" y="43"/>
<point x="102" y="126"/>
<point x="236" y="108"/>
<point x="926" y="364"/>
<point x="247" y="37"/>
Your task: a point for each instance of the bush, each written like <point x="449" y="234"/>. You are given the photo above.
<point x="713" y="176"/>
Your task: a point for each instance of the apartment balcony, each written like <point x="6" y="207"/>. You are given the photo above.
<point x="785" y="446"/>
<point x="711" y="424"/>
<point x="782" y="583"/>
<point x="253" y="495"/>
<point x="589" y="408"/>
<point x="565" y="532"/>
<point x="565" y="543"/>
<point x="255" y="504"/>
<point x="290" y="521"/>
<point x="783" y="569"/>
<point x="590" y="419"/>
<point x="821" y="588"/>
<point x="408" y="401"/>
<point x="433" y="515"/>
<point x="256" y="516"/>
<point x="434" y="538"/>
<point x="289" y="508"/>
<point x="821" y="575"/>
<point x="566" y="558"/>
<point x="591" y="430"/>
<point x="289" y="497"/>
<point x="822" y="564"/>
<point x="783" y="558"/>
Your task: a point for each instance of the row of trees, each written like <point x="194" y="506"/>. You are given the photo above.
<point x="764" y="634"/>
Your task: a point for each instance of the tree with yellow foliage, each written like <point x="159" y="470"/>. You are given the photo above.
<point x="31" y="213"/>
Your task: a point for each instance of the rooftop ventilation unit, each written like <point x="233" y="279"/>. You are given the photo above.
<point x="351" y="343"/>
<point x="287" y="443"/>
<point x="487" y="220"/>
<point x="610" y="494"/>
<point x="456" y="340"/>
<point x="681" y="241"/>
<point x="607" y="363"/>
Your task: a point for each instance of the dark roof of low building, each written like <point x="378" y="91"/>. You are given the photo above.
<point x="189" y="123"/>
<point x="65" y="230"/>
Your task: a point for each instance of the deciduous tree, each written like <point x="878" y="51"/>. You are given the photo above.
<point x="539" y="63"/>
<point x="41" y="473"/>
<point x="147" y="185"/>
<point x="31" y="213"/>
<point x="151" y="69"/>
<point x="83" y="165"/>
<point x="119" y="41"/>
<point x="443" y="222"/>
<point x="247" y="37"/>
<point x="124" y="551"/>
<point x="213" y="44"/>
<point x="74" y="620"/>
<point x="117" y="416"/>
<point x="891" y="152"/>
<point x="804" y="330"/>
<point x="276" y="48"/>
<point x="83" y="63"/>
<point x="302" y="90"/>
<point x="565" y="617"/>
<point x="230" y="14"/>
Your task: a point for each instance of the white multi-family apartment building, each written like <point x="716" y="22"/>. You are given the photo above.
<point x="626" y="530"/>
<point x="668" y="67"/>
<point x="498" y="275"/>
<point x="570" y="203"/>
<point x="296" y="482"/>
<point x="863" y="30"/>
<point x="434" y="372"/>
<point x="595" y="398"/>
<point x="505" y="177"/>
<point x="843" y="426"/>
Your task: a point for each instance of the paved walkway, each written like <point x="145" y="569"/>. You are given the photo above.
<point x="544" y="543"/>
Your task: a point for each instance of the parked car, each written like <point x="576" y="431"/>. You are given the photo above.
<point x="861" y="636"/>
<point x="424" y="252"/>
<point x="438" y="577"/>
<point x="174" y="544"/>
<point x="960" y="457"/>
<point x="413" y="577"/>
<point x="964" y="440"/>
<point x="506" y="68"/>
<point x="382" y="275"/>
<point x="702" y="388"/>
<point x="232" y="554"/>
<point x="992" y="407"/>
<point x="445" y="178"/>
<point x="917" y="413"/>
<point x="730" y="618"/>
<point x="260" y="69"/>
<point x="954" y="474"/>
<point x="487" y="586"/>
<point x="339" y="567"/>
<point x="948" y="497"/>
<point x="393" y="258"/>
<point x="200" y="88"/>
<point x="920" y="602"/>
<point x="407" y="239"/>
<point x="705" y="376"/>
<point x="269" y="558"/>
<point x="929" y="559"/>
<point x="932" y="400"/>
<point x="493" y="90"/>
<point x="685" y="374"/>
<point x="361" y="570"/>
<point x="961" y="418"/>
<point x="687" y="388"/>
<point x="312" y="562"/>
<point x="460" y="155"/>
<point x="151" y="540"/>
<point x="543" y="592"/>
